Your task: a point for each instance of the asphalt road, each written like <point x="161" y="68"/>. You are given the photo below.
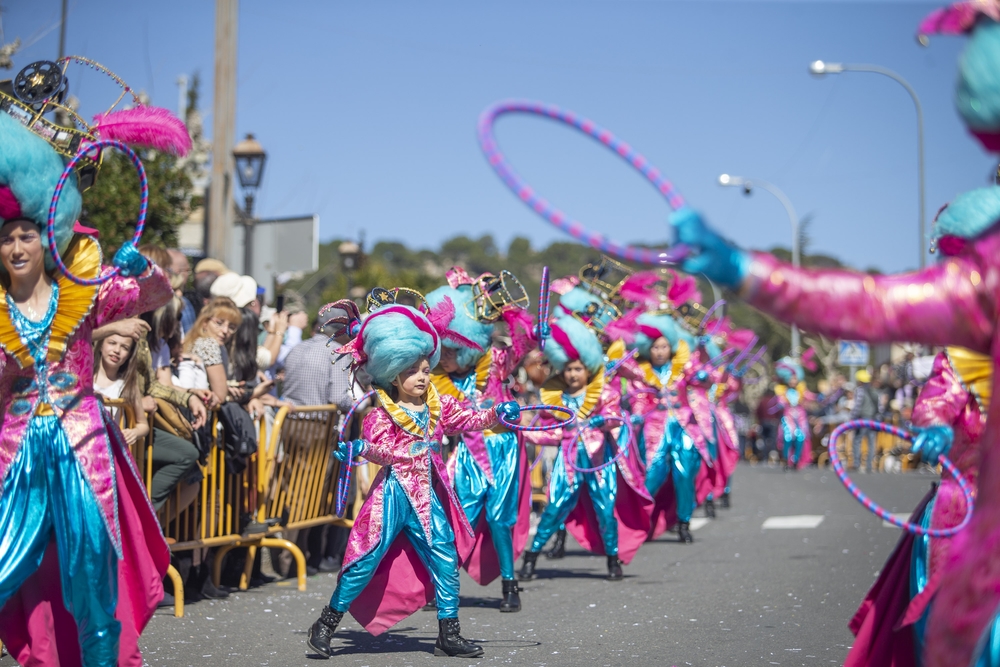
<point x="740" y="595"/>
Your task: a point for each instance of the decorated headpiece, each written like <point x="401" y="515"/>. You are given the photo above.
<point x="978" y="93"/>
<point x="453" y="308"/>
<point x="34" y="150"/>
<point x="792" y="370"/>
<point x="969" y="215"/>
<point x="390" y="340"/>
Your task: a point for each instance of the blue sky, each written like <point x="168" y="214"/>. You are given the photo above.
<point x="368" y="110"/>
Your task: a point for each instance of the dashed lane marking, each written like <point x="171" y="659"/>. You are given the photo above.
<point x="792" y="522"/>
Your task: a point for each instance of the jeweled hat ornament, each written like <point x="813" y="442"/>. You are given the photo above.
<point x="40" y="155"/>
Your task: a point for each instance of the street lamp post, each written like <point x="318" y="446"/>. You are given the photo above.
<point x="250" y="158"/>
<point x="748" y="185"/>
<point x="820" y="68"/>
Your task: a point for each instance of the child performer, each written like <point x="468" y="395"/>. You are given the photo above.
<point x="409" y="515"/>
<point x="890" y="623"/>
<point x="727" y="387"/>
<point x="606" y="510"/>
<point x="81" y="553"/>
<point x="793" y="429"/>
<point x="489" y="469"/>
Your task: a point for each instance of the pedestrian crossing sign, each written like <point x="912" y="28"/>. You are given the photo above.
<point x="853" y="353"/>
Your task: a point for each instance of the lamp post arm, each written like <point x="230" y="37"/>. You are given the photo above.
<point x="875" y="69"/>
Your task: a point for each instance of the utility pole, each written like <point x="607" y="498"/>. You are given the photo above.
<point x="223" y="123"/>
<point x="62" y="30"/>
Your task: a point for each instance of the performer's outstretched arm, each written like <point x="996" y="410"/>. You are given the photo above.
<point x="951" y="303"/>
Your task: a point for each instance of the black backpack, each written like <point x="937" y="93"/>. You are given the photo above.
<point x="239" y="437"/>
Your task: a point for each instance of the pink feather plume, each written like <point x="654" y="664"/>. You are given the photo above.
<point x="809" y="359"/>
<point x="440" y="316"/>
<point x="682" y="290"/>
<point x="625" y="327"/>
<point x="149" y="127"/>
<point x="521" y="326"/>
<point x="639" y="288"/>
<point x="740" y="338"/>
<point x="563" y="285"/>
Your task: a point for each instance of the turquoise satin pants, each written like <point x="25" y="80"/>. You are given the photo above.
<point x="794" y="440"/>
<point x="677" y="456"/>
<point x="440" y="558"/>
<point x="602" y="487"/>
<point x="46" y="492"/>
<point x="498" y="500"/>
<point x="918" y="576"/>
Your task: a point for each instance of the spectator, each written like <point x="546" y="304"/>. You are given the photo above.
<point x="201" y="365"/>
<point x="865" y="407"/>
<point x="114" y="378"/>
<point x="205" y="273"/>
<point x="180" y="275"/>
<point x="313" y="377"/>
<point x="242" y="290"/>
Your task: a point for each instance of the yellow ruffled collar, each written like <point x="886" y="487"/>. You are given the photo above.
<point x="445" y="385"/>
<point x="75" y="301"/>
<point x="677" y="362"/>
<point x="552" y="394"/>
<point x="404" y="421"/>
<point x="976" y="372"/>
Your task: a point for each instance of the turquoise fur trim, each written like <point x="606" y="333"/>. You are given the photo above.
<point x="584" y="340"/>
<point x="978" y="93"/>
<point x="970" y="214"/>
<point x="463" y="323"/>
<point x="393" y="343"/>
<point x="789" y="371"/>
<point x="31" y="168"/>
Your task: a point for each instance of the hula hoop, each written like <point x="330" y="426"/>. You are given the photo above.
<point x="870" y="504"/>
<point x="613" y="368"/>
<point x="543" y="305"/>
<point x="344" y="481"/>
<point x="569" y="421"/>
<point x="499" y="163"/>
<point x="139" y="225"/>
<point x="622" y="451"/>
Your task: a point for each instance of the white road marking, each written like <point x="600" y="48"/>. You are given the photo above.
<point x="902" y="517"/>
<point x="698" y="522"/>
<point x="792" y="522"/>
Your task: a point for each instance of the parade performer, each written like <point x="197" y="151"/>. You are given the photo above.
<point x="82" y="556"/>
<point x="726" y="388"/>
<point x="401" y="551"/>
<point x="606" y="510"/>
<point x="955" y="302"/>
<point x="890" y="623"/>
<point x="793" y="427"/>
<point x="489" y="469"/>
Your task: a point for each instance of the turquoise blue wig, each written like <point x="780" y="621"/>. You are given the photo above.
<point x="668" y="327"/>
<point x="463" y="323"/>
<point x="393" y="342"/>
<point x="970" y="213"/>
<point x="577" y="299"/>
<point x="789" y="371"/>
<point x="978" y="93"/>
<point x="30" y="167"/>
<point x="583" y="339"/>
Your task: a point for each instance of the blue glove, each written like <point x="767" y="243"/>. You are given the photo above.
<point x="933" y="442"/>
<point x="510" y="411"/>
<point x="712" y="255"/>
<point x="542" y="330"/>
<point x="637" y="420"/>
<point x="701" y="376"/>
<point x="357" y="449"/>
<point x="597" y="421"/>
<point x="130" y="261"/>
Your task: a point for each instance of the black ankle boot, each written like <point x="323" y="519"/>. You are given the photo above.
<point x="558" y="549"/>
<point x="511" y="600"/>
<point x="322" y="631"/>
<point x="615" y="569"/>
<point x="451" y="643"/>
<point x="208" y="588"/>
<point x="724" y="500"/>
<point x="710" y="508"/>
<point x="684" y="532"/>
<point x="527" y="572"/>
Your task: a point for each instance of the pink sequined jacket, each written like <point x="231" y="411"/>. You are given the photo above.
<point x="81" y="309"/>
<point x="955" y="302"/>
<point x="393" y="441"/>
